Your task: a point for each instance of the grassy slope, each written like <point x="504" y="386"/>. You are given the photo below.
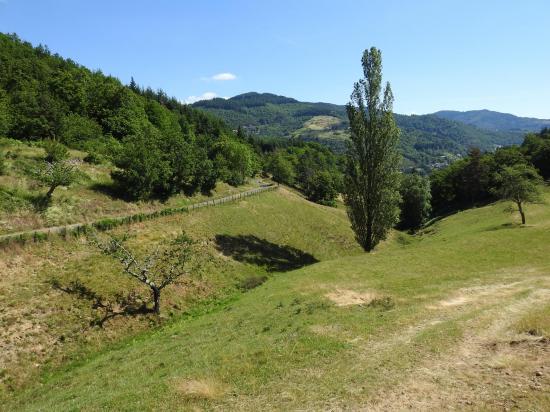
<point x="86" y="200"/>
<point x="47" y="322"/>
<point x="457" y="336"/>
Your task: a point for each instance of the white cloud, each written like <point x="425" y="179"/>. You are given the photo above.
<point x="223" y="77"/>
<point x="204" y="96"/>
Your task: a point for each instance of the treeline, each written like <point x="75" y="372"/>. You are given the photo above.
<point x="309" y="167"/>
<point x="159" y="145"/>
<point x="476" y="179"/>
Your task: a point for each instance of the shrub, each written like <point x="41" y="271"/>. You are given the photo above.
<point x="94" y="158"/>
<point x="55" y="151"/>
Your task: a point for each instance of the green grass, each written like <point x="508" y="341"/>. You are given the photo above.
<point x="46" y="320"/>
<point x="87" y="200"/>
<point x="455" y="291"/>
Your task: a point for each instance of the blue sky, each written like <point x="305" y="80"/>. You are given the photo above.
<point x="444" y="54"/>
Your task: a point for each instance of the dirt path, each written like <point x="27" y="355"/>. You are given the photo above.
<point x="491" y="367"/>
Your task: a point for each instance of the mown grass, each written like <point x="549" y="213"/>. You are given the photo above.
<point x="286" y="345"/>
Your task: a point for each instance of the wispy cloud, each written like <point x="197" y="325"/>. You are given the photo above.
<point x="204" y="96"/>
<point x="220" y="77"/>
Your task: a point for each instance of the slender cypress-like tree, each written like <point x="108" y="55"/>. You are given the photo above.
<point x="371" y="189"/>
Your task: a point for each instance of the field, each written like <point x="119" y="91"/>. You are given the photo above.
<point x="455" y="317"/>
<point x="62" y="298"/>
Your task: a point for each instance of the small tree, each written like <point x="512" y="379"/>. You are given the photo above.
<point x="520" y="184"/>
<point x="415" y="201"/>
<point x="159" y="269"/>
<point x="55" y="174"/>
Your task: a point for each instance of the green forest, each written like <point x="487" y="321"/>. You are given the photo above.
<point x="427" y="141"/>
<point x="158" y="145"/>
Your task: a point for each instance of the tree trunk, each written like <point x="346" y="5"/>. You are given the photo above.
<point x="369" y="245"/>
<point x="156" y="299"/>
<point x="50" y="192"/>
<point x="520" y="208"/>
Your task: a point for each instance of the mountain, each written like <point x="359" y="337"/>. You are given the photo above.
<point x="487" y="119"/>
<point x="427" y="141"/>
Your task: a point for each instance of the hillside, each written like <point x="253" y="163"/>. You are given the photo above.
<point x="89" y="198"/>
<point x="490" y="120"/>
<point x="462" y="322"/>
<point x="63" y="299"/>
<point x="427" y="141"/>
<point x="159" y="146"/>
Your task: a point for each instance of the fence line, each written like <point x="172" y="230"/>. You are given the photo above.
<point x="37" y="235"/>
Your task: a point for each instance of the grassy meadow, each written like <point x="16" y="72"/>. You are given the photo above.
<point x="63" y="299"/>
<point x="454" y="317"/>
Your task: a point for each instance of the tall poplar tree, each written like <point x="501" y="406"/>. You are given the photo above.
<point x="371" y="189"/>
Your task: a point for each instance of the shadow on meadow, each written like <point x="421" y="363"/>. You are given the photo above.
<point x="260" y="252"/>
<point x="105" y="309"/>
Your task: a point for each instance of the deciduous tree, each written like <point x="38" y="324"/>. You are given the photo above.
<point x="520" y="184"/>
<point x="158" y="269"/>
<point x="371" y="189"/>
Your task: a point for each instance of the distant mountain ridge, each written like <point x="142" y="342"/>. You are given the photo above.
<point x="496" y="121"/>
<point x="427" y="141"/>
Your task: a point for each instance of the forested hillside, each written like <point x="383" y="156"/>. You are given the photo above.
<point x="159" y="146"/>
<point x="490" y="120"/>
<point x="427" y="141"/>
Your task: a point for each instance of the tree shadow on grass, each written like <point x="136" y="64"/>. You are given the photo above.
<point x="40" y="202"/>
<point x="113" y="191"/>
<point x="260" y="252"/>
<point x="504" y="226"/>
<point x="106" y="309"/>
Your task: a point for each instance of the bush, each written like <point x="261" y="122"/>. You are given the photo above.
<point x="55" y="151"/>
<point x="94" y="158"/>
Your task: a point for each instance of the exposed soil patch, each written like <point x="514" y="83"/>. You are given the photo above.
<point x="347" y="297"/>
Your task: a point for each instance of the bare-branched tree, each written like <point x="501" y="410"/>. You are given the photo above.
<point x="159" y="269"/>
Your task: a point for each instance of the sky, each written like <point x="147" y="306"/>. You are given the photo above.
<point x="437" y="55"/>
